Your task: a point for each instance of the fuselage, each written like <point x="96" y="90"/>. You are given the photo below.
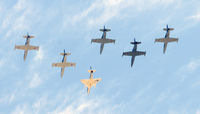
<point x="133" y="54"/>
<point x="104" y="35"/>
<point x="167" y="33"/>
<point x="26" y="49"/>
<point x="91" y="75"/>
<point x="63" y="68"/>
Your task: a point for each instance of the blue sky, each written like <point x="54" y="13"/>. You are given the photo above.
<point x="156" y="84"/>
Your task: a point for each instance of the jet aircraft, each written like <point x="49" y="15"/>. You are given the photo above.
<point x="167" y="38"/>
<point x="90" y="82"/>
<point x="134" y="52"/>
<point x="27" y="46"/>
<point x="103" y="40"/>
<point x="63" y="64"/>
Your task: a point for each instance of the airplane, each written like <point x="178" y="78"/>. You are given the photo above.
<point x="90" y="82"/>
<point x="134" y="52"/>
<point x="167" y="38"/>
<point x="27" y="46"/>
<point x="64" y="64"/>
<point x="103" y="40"/>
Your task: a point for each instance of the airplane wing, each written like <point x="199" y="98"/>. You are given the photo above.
<point x="130" y="53"/>
<point x="86" y="82"/>
<point x="160" y="40"/>
<point x="63" y="64"/>
<point x="95" y="81"/>
<point x="109" y="40"/>
<point x="173" y="40"/>
<point x="103" y="40"/>
<point x="166" y="40"/>
<point x="21" y="47"/>
<point x="138" y="53"/>
<point x="33" y="47"/>
<point x="96" y="40"/>
<point x="90" y="82"/>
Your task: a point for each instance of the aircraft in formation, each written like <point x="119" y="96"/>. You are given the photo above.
<point x="103" y="40"/>
<point x="64" y="63"/>
<point x="27" y="46"/>
<point x="90" y="82"/>
<point x="134" y="52"/>
<point x="167" y="39"/>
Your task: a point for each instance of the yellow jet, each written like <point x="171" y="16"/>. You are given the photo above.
<point x="90" y="82"/>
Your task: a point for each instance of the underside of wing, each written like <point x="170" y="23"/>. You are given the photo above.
<point x="103" y="40"/>
<point x="63" y="64"/>
<point x="69" y="64"/>
<point x="130" y="53"/>
<point x="85" y="82"/>
<point x="166" y="40"/>
<point x="21" y="47"/>
<point x="138" y="53"/>
<point x="33" y="48"/>
<point x="97" y="40"/>
<point x="57" y="65"/>
<point x="172" y="40"/>
<point x="160" y="40"/>
<point x="95" y="81"/>
<point x="109" y="40"/>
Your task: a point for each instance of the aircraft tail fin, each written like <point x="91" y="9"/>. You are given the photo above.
<point x="135" y="42"/>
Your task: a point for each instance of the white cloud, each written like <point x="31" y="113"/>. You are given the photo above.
<point x="35" y="81"/>
<point x="189" y="68"/>
<point x="195" y="17"/>
<point x="21" y="109"/>
<point x="39" y="54"/>
<point x="8" y="98"/>
<point x="20" y="5"/>
<point x="108" y="9"/>
<point x="198" y="112"/>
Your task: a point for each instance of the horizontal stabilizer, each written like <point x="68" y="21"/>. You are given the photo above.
<point x="170" y="29"/>
<point x="28" y="36"/>
<point x="105" y="30"/>
<point x="135" y="42"/>
<point x="65" y="53"/>
<point x="91" y="71"/>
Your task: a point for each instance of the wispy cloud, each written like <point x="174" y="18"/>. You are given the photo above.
<point x="35" y="81"/>
<point x="189" y="68"/>
<point x="108" y="9"/>
<point x="39" y="54"/>
<point x="195" y="17"/>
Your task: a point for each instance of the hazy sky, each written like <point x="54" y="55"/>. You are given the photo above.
<point x="156" y="84"/>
